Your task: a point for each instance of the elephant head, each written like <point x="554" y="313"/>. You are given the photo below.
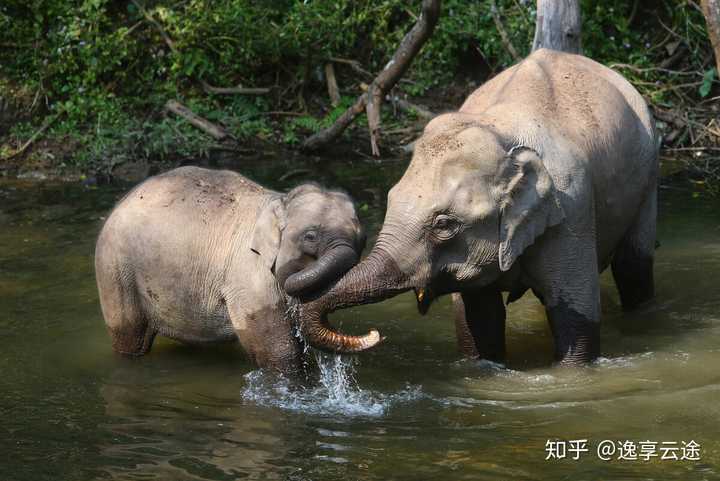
<point x="468" y="205"/>
<point x="308" y="238"/>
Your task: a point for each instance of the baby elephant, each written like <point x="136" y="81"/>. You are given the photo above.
<point x="205" y="256"/>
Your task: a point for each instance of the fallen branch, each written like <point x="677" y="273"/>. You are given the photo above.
<point x="419" y="110"/>
<point x="679" y="86"/>
<point x="632" y="68"/>
<point x="371" y="101"/>
<point x="233" y="90"/>
<point x="293" y="173"/>
<point x="233" y="148"/>
<point x="403" y="130"/>
<point x="692" y="149"/>
<point x="325" y="136"/>
<point x="354" y="64"/>
<point x="283" y="113"/>
<point x="47" y="123"/>
<point x="503" y="33"/>
<point x="213" y="130"/>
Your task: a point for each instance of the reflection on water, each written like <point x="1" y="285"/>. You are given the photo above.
<point x="410" y="409"/>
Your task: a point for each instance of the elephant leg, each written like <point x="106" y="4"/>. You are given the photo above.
<point x="480" y="323"/>
<point x="268" y="337"/>
<point x="129" y="328"/>
<point x="573" y="310"/>
<point x="577" y="337"/>
<point x="565" y="274"/>
<point x="632" y="262"/>
<point x="134" y="338"/>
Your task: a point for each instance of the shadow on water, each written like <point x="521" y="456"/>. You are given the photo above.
<point x="410" y="409"/>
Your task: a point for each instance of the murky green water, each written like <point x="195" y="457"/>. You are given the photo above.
<point x="72" y="410"/>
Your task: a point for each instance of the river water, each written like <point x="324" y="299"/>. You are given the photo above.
<point x="411" y="409"/>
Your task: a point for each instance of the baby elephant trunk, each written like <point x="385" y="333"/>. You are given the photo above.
<point x="328" y="268"/>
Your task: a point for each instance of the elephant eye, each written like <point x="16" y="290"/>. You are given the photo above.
<point x="310" y="236"/>
<point x="445" y="227"/>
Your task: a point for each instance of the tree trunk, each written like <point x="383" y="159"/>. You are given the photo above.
<point x="332" y="86"/>
<point x="558" y="25"/>
<point x="711" y="9"/>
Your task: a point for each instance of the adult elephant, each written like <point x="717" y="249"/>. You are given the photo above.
<point x="205" y="256"/>
<point x="545" y="176"/>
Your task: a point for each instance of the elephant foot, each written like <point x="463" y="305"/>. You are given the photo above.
<point x="577" y="338"/>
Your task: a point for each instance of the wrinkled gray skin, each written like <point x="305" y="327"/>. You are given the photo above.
<point x="202" y="256"/>
<point x="543" y="178"/>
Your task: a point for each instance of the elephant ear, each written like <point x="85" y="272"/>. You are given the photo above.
<point x="265" y="240"/>
<point x="528" y="203"/>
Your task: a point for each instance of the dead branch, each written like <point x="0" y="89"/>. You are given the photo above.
<point x="711" y="10"/>
<point x="326" y="136"/>
<point x="403" y="131"/>
<point x="283" y="113"/>
<point x="354" y="64"/>
<point x="632" y="68"/>
<point x="47" y="123"/>
<point x="503" y="33"/>
<point x="333" y="90"/>
<point x="669" y="116"/>
<point x="293" y="173"/>
<point x="213" y="130"/>
<point x="419" y="110"/>
<point x="395" y="68"/>
<point x="168" y="41"/>
<point x="558" y="26"/>
<point x="233" y="90"/>
<point x="693" y="149"/>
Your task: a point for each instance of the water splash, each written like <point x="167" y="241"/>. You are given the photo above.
<point x="336" y="393"/>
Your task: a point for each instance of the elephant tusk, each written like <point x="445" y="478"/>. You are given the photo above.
<point x="420" y="294"/>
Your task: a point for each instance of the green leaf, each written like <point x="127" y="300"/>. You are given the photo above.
<point x="707" y="82"/>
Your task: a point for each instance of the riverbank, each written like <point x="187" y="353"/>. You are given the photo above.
<point x="690" y="142"/>
<point x="107" y="91"/>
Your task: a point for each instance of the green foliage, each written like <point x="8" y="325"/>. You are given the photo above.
<point x="107" y="68"/>
<point x="307" y="124"/>
<point x="707" y="82"/>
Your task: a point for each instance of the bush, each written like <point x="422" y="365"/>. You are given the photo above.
<point x="105" y="64"/>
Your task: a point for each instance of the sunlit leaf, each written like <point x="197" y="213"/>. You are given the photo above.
<point x="707" y="82"/>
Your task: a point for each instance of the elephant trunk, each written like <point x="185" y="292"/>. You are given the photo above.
<point x="330" y="266"/>
<point x="374" y="279"/>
